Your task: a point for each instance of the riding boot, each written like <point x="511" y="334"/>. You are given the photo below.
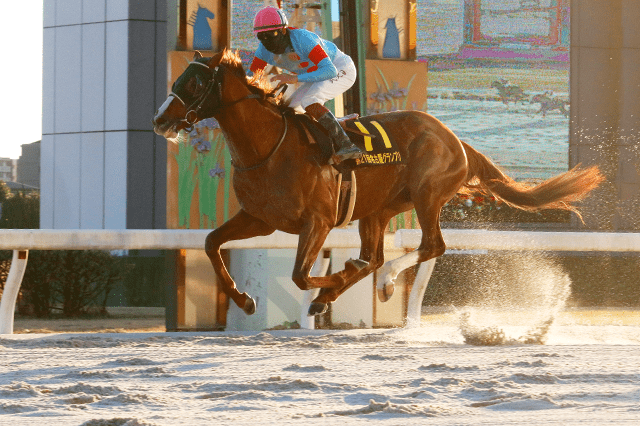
<point x="346" y="150"/>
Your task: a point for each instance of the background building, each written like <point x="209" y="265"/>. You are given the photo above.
<point x="29" y="165"/>
<point x="8" y="169"/>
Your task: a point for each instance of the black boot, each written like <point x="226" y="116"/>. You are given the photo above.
<point x="346" y="149"/>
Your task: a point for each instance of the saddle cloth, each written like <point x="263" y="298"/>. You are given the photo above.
<point x="377" y="144"/>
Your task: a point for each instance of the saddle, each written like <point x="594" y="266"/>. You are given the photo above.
<point x="346" y="177"/>
<point x="369" y="135"/>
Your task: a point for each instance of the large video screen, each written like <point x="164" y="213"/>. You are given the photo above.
<point x="499" y="78"/>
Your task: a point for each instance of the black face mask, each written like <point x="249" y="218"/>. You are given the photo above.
<point x="274" y="41"/>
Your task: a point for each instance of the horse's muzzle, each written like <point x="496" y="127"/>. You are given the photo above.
<point x="163" y="127"/>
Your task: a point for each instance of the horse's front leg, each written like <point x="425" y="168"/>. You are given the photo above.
<point x="310" y="242"/>
<point x="371" y="258"/>
<point x="239" y="227"/>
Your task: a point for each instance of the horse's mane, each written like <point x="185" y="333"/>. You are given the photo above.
<point x="257" y="84"/>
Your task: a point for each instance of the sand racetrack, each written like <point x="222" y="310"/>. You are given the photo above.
<point x="583" y="374"/>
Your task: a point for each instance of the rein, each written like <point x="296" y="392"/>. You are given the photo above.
<point x="273" y="151"/>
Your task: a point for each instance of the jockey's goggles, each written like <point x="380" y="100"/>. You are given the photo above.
<point x="269" y="35"/>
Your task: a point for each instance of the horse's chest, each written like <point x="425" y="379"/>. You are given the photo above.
<point x="268" y="197"/>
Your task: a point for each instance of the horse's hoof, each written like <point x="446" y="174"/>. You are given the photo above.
<point x="249" y="307"/>
<point x="317" y="308"/>
<point x="385" y="293"/>
<point x="355" y="264"/>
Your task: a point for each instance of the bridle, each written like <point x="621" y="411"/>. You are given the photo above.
<point x="214" y="87"/>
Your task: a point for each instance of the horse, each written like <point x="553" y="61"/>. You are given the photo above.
<point x="283" y="182"/>
<point x="548" y="103"/>
<point x="508" y="91"/>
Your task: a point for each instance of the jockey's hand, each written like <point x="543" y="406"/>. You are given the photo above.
<point x="284" y="78"/>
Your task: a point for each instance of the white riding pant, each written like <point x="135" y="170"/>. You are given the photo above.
<point x="323" y="91"/>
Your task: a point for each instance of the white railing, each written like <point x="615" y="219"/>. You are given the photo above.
<point x="21" y="241"/>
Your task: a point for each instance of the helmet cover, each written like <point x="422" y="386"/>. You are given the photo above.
<point x="269" y="18"/>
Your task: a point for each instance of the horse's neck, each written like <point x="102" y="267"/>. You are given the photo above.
<point x="251" y="130"/>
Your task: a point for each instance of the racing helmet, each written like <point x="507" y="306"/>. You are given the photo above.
<point x="269" y="18"/>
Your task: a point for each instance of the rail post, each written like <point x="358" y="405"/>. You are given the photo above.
<point x="11" y="290"/>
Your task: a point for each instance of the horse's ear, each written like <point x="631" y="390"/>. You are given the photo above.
<point x="197" y="55"/>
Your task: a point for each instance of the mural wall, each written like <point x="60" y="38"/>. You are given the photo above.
<point x="199" y="170"/>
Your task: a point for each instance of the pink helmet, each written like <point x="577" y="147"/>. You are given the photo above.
<point x="268" y="19"/>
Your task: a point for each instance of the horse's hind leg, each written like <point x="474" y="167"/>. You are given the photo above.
<point x="433" y="183"/>
<point x="432" y="245"/>
<point x="239" y="227"/>
<point x="371" y="257"/>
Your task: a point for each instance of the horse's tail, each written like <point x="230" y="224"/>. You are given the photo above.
<point x="559" y="192"/>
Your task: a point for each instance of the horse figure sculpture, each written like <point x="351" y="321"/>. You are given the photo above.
<point x="282" y="181"/>
<point x="509" y="92"/>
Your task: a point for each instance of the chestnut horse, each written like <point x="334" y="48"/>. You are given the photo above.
<point x="282" y="184"/>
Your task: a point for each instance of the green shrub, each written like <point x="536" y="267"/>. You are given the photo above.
<point x="69" y="282"/>
<point x="19" y="211"/>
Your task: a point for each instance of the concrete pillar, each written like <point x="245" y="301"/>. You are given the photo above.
<point x="605" y="107"/>
<point x="104" y="74"/>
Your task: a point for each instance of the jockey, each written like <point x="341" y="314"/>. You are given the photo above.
<point x="324" y="71"/>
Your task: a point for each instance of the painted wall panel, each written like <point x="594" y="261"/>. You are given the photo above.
<point x="116" y="75"/>
<point x="117" y="10"/>
<point x="46" y="181"/>
<point x="94" y="11"/>
<point x="161" y="9"/>
<point x="68" y="12"/>
<point x="49" y="13"/>
<point x="141" y="75"/>
<point x="115" y="176"/>
<point x="48" y="80"/>
<point x="93" y="73"/>
<point x="161" y="71"/>
<point x="597" y="103"/>
<point x="92" y="182"/>
<point x="160" y="184"/>
<point x="266" y="276"/>
<point x="600" y="24"/>
<point x="200" y="291"/>
<point x="140" y="175"/>
<point x="66" y="209"/>
<point x="354" y="306"/>
<point x="630" y="29"/>
<point x="630" y="96"/>
<point x="67" y="79"/>
<point x="143" y="10"/>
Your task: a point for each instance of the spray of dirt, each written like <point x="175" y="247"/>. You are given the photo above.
<point x="517" y="303"/>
